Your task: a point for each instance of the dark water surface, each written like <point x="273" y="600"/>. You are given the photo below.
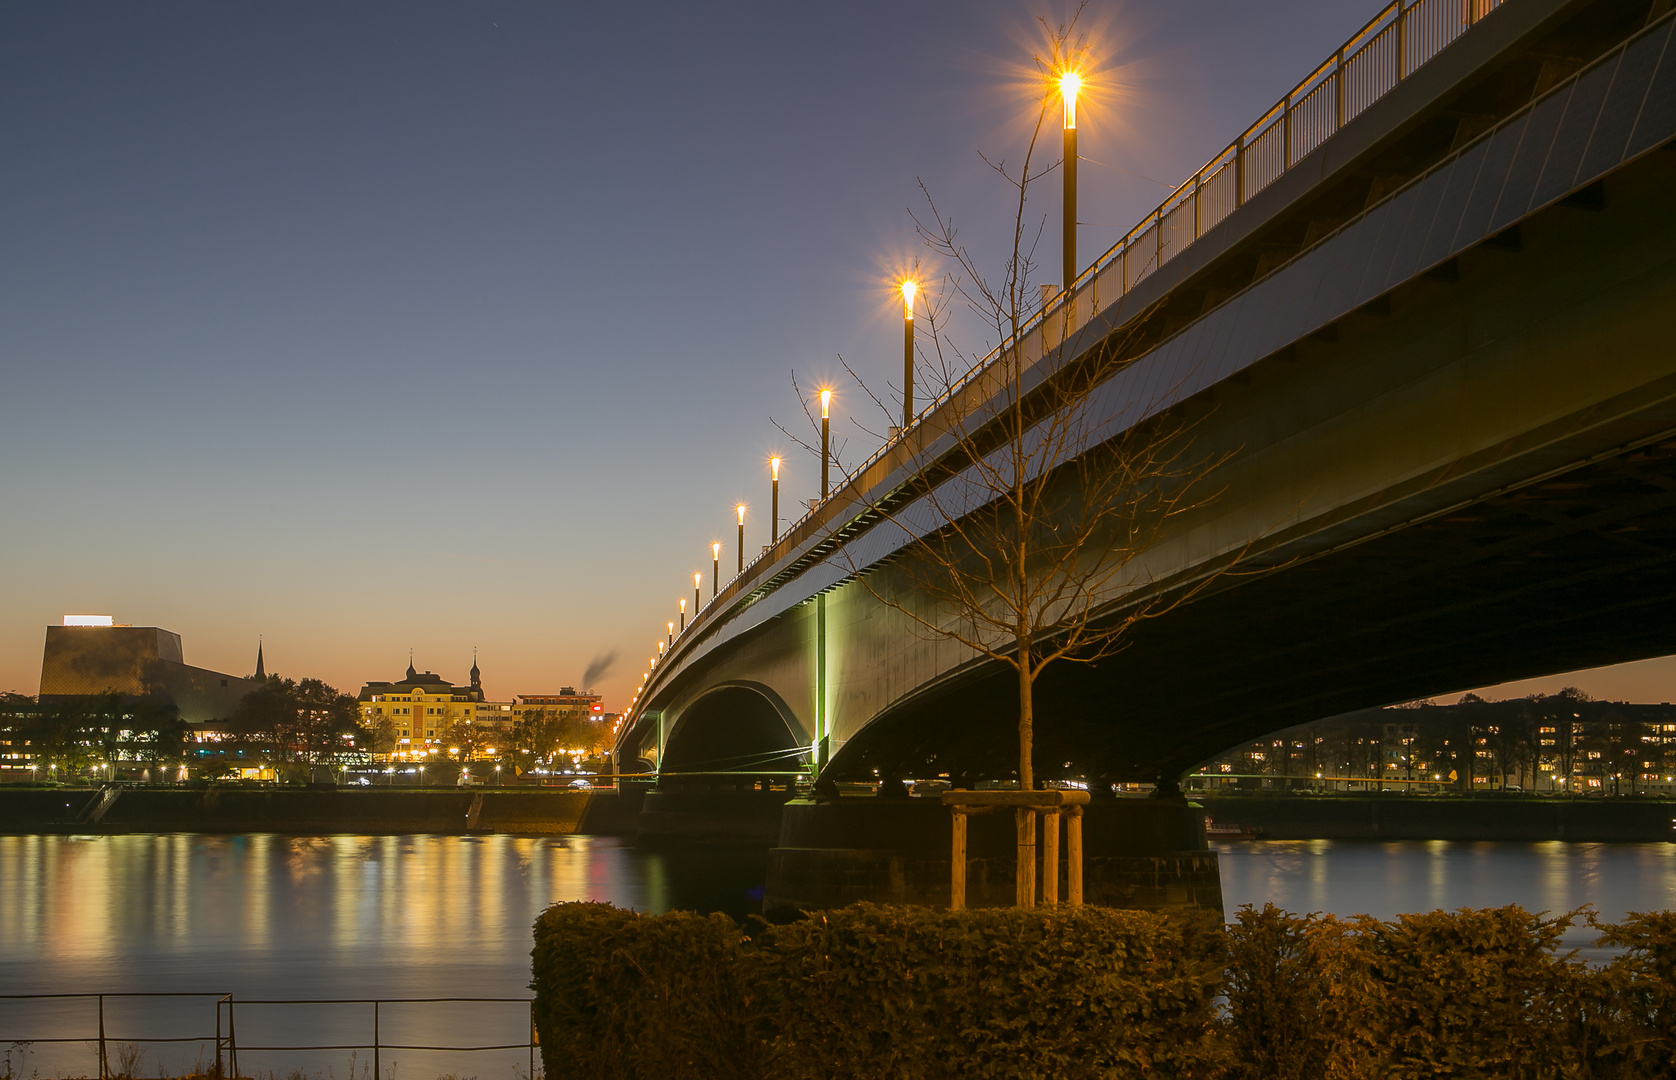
<point x="267" y="916"/>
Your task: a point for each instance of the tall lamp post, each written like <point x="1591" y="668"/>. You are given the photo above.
<point x="697" y="577"/>
<point x="909" y="287"/>
<point x="715" y="568"/>
<point x="826" y="440"/>
<point x="1069" y="83"/>
<point x="672" y="632"/>
<point x="684" y="613"/>
<point x="740" y="510"/>
<point x="774" y="503"/>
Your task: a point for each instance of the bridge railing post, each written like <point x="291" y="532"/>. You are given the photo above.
<point x="1338" y="91"/>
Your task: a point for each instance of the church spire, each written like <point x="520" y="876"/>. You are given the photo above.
<point x="261" y="672"/>
<point x="476" y="676"/>
<point x="411" y="674"/>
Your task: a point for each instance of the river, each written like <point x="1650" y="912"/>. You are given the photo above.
<point x="285" y="917"/>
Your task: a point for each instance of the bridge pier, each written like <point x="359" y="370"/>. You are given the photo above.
<point x="1140" y="853"/>
<point x="729" y="810"/>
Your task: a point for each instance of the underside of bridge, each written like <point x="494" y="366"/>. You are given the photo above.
<point x="1574" y="572"/>
<point x="1564" y="558"/>
<point x="733" y="729"/>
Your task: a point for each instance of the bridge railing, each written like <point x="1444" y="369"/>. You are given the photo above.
<point x="1395" y="43"/>
<point x="1404" y="35"/>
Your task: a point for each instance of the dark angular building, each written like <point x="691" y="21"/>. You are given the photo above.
<point x="138" y="662"/>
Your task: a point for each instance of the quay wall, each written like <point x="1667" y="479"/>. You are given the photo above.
<point x="233" y="809"/>
<point x="1430" y="817"/>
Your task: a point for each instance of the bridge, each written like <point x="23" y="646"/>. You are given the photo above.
<point x="1427" y="306"/>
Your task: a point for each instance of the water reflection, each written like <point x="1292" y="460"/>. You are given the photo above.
<point x="268" y="916"/>
<point x="1394" y="878"/>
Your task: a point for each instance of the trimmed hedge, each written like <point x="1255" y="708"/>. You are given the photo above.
<point x="870" y="991"/>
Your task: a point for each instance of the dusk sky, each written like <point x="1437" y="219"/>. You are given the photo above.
<point x="376" y="327"/>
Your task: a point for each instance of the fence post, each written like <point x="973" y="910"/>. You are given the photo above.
<point x="957" y="862"/>
<point x="532" y="1039"/>
<point x="376" y="1075"/>
<point x="218" y="1039"/>
<point x="1198" y="178"/>
<point x="232" y="1038"/>
<point x="101" y="1037"/>
<point x="1050" y="857"/>
<point x="1073" y="852"/>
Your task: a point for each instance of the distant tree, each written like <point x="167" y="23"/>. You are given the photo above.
<point x="293" y="726"/>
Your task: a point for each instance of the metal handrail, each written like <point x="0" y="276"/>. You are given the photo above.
<point x="1389" y="48"/>
<point x="227" y="1046"/>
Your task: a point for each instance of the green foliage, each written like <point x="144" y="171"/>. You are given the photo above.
<point x="1637" y="1014"/>
<point x="900" y="992"/>
<point x="917" y="992"/>
<point x="626" y="995"/>
<point x="877" y="991"/>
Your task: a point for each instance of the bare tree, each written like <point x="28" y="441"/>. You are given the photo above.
<point x="1032" y="495"/>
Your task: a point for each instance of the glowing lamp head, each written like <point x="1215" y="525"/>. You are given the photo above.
<point x="660" y="648"/>
<point x="826" y="404"/>
<point x="1069" y="83"/>
<point x="909" y="288"/>
<point x="774" y="467"/>
<point x="696" y="579"/>
<point x="671" y="625"/>
<point x="683" y="603"/>
<point x="716" y="550"/>
<point x="740" y="510"/>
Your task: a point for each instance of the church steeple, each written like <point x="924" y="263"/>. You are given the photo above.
<point x="261" y="672"/>
<point x="476" y="676"/>
<point x="411" y="674"/>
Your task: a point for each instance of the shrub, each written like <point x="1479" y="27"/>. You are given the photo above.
<point x="624" y="995"/>
<point x="870" y="991"/>
<point x="918" y="992"/>
<point x="876" y="991"/>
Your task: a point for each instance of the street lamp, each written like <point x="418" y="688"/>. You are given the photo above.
<point x="1069" y="83"/>
<point x="826" y="439"/>
<point x="909" y="287"/>
<point x="715" y="568"/>
<point x="774" y="504"/>
<point x="671" y="625"/>
<point x="683" y="603"/>
<point x="696" y="577"/>
<point x="740" y="510"/>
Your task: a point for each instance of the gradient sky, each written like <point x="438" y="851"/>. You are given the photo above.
<point x="368" y="327"/>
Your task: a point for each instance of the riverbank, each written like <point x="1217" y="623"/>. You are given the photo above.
<point x="1430" y="817"/>
<point x="239" y="809"/>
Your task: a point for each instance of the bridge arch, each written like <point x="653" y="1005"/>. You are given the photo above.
<point x="735" y="727"/>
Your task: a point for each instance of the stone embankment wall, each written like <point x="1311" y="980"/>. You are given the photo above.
<point x="1430" y="817"/>
<point x="315" y="810"/>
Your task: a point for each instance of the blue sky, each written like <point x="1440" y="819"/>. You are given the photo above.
<point x="437" y="326"/>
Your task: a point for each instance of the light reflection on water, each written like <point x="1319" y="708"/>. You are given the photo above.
<point x="269" y="916"/>
<point x="1358" y="877"/>
<point x="1349" y="877"/>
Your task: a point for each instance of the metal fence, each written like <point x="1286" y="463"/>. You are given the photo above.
<point x="105" y="1046"/>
